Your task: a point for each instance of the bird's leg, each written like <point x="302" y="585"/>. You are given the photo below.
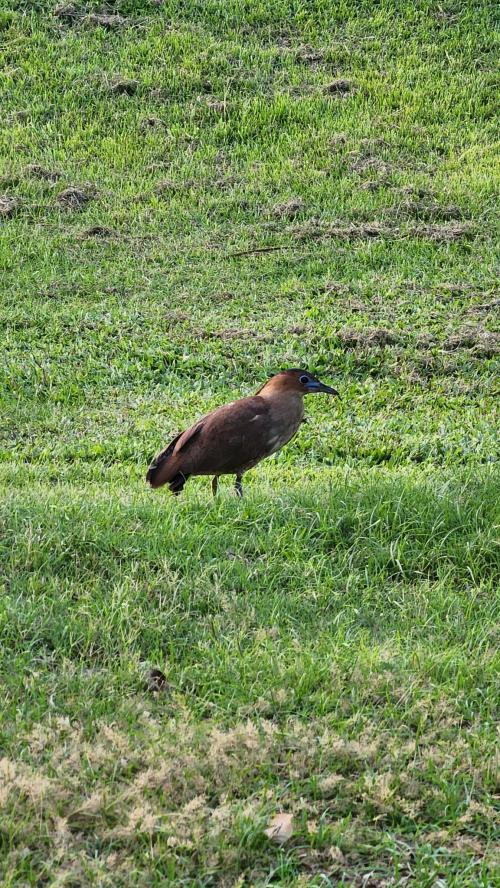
<point x="215" y="484"/>
<point x="238" y="486"/>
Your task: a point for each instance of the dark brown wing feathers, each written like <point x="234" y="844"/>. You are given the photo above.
<point x="164" y="466"/>
<point x="230" y="439"/>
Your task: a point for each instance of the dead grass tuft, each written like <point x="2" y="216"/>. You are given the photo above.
<point x="71" y="14"/>
<point x="35" y="171"/>
<point x="427" y="211"/>
<point x="196" y="786"/>
<point x="67" y="12"/>
<point x="444" y="233"/>
<point x="8" y="206"/>
<point x="484" y="307"/>
<point x="339" y="88"/>
<point x="481" y="342"/>
<point x="368" y="163"/>
<point x="290" y="209"/>
<point x="310" y="56"/>
<point x="337" y="141"/>
<point x="75" y="198"/>
<point x="374" y="184"/>
<point x="109" y="22"/>
<point x="122" y="86"/>
<point x="215" y="104"/>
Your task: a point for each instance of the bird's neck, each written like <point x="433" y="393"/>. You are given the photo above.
<point x="284" y="402"/>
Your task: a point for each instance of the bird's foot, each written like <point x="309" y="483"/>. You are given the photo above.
<point x="215" y="485"/>
<point x="238" y="486"/>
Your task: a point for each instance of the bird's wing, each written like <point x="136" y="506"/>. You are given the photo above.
<point x="228" y="439"/>
<point x="187" y="437"/>
<point x="177" y="445"/>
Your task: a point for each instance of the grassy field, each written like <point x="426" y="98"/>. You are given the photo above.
<point x="193" y="196"/>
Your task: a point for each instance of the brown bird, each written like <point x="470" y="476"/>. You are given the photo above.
<point x="234" y="438"/>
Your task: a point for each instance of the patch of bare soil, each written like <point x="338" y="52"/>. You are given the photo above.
<point x="156" y="680"/>
<point x="8" y="206"/>
<point x="289" y="209"/>
<point x="99" y="231"/>
<point x="374" y="338"/>
<point x="75" y="198"/>
<point x="339" y="88"/>
<point x="121" y="86"/>
<point x="481" y="342"/>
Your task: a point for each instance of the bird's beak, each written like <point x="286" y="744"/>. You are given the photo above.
<point x="321" y="387"/>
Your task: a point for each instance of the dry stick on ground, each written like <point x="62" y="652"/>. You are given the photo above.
<point x="260" y="250"/>
<point x="433" y="232"/>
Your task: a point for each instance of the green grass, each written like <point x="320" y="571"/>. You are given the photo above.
<point x="330" y="644"/>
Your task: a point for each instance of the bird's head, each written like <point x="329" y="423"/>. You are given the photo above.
<point x="300" y="381"/>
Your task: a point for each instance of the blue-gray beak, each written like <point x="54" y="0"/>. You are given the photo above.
<point x="314" y="385"/>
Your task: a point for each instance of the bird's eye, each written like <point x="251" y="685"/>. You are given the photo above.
<point x="304" y="380"/>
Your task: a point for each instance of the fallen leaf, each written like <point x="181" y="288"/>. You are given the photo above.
<point x="280" y="828"/>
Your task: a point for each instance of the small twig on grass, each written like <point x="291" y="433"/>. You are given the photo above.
<point x="260" y="250"/>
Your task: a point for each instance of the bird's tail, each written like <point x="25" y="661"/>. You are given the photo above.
<point x="163" y="470"/>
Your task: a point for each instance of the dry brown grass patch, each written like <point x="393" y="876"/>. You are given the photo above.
<point x="8" y="205"/>
<point x="443" y="233"/>
<point x="289" y="209"/>
<point x="76" y="197"/>
<point x="193" y="789"/>
<point x="109" y="22"/>
<point x="36" y="171"/>
<point x="481" y="342"/>
<point x="427" y="211"/>
<point x="310" y="56"/>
